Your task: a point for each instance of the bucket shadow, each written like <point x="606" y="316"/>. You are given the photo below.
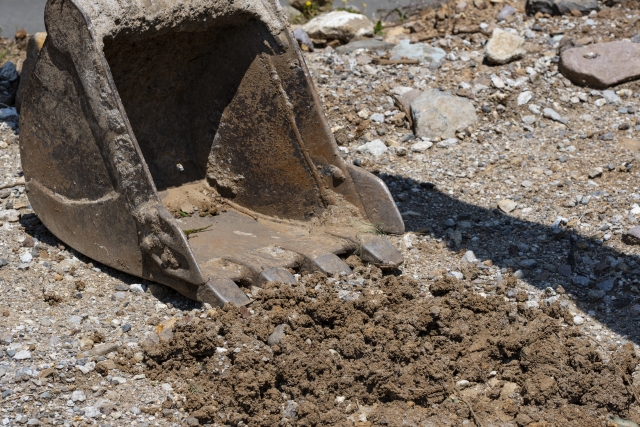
<point x="601" y="280"/>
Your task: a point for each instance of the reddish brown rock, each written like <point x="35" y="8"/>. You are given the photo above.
<point x="601" y="65"/>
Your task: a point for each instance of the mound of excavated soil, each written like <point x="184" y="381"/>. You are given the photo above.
<point x="379" y="352"/>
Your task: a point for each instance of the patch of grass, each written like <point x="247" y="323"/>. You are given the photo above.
<point x="402" y="16"/>
<point x="312" y="8"/>
<point x="3" y="55"/>
<point x="183" y="214"/>
<point x="377" y="30"/>
<point x="195" y="230"/>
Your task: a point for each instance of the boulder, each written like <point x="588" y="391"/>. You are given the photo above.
<point x="505" y="12"/>
<point x="34" y="46"/>
<point x="441" y="114"/>
<point x="403" y="99"/>
<point x="561" y="7"/>
<point x="339" y="25"/>
<point x="420" y="51"/>
<point x="601" y="65"/>
<point x="376" y="148"/>
<point x="504" y="47"/>
<point x="8" y="84"/>
<point x="303" y="39"/>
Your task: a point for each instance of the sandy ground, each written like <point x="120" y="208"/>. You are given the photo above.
<point x="539" y="330"/>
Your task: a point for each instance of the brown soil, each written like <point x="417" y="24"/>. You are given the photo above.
<point x="190" y="198"/>
<point x="393" y="356"/>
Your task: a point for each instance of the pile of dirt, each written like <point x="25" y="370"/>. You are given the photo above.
<point x="380" y="351"/>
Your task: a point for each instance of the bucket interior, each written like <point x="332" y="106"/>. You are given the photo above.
<point x="203" y="107"/>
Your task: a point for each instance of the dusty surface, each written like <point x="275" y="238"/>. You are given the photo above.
<point x="190" y="199"/>
<point x="392" y="356"/>
<point x="397" y="348"/>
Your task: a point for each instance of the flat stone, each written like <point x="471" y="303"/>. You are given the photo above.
<point x="377" y="118"/>
<point x="419" y="51"/>
<point x="278" y="334"/>
<point x="504" y="47"/>
<point x="632" y="236"/>
<point x="404" y="97"/>
<point x="376" y="148"/>
<point x="505" y="12"/>
<point x="580" y="281"/>
<point x="303" y="39"/>
<point x="612" y="98"/>
<point x="8" y="72"/>
<point x="507" y="205"/>
<point x="22" y="355"/>
<point x="78" y="396"/>
<point x="462" y="384"/>
<point x="421" y="147"/>
<point x="103" y="349"/>
<point x="553" y="115"/>
<point x="561" y="7"/>
<point x="370" y="44"/>
<point x="10" y="215"/>
<point x="469" y="257"/>
<point x="524" y="97"/>
<point x="458" y="275"/>
<point x="136" y="288"/>
<point x="601" y="65"/>
<point x="564" y="270"/>
<point x="339" y="25"/>
<point x="441" y="114"/>
<point x="528" y="263"/>
<point x="607" y="285"/>
<point x="595" y="172"/>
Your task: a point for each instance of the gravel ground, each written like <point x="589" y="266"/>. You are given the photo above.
<point x="539" y="202"/>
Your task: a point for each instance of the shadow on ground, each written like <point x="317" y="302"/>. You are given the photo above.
<point x="599" y="279"/>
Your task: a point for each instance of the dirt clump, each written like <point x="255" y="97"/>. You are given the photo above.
<point x="381" y="354"/>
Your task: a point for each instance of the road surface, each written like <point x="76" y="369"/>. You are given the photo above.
<point x="28" y="14"/>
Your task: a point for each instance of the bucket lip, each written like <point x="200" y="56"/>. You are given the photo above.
<point x="135" y="18"/>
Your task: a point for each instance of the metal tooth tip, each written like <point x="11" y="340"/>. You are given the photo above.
<point x="276" y="274"/>
<point x="331" y="264"/>
<point x="218" y="292"/>
<point x="379" y="251"/>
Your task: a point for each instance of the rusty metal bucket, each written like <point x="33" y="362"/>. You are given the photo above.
<point x="182" y="141"/>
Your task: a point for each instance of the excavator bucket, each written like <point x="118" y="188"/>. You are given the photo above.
<point x="182" y="141"/>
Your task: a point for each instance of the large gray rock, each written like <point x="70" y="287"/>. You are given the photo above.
<point x="303" y="39"/>
<point x="561" y="7"/>
<point x="371" y="44"/>
<point x="8" y="72"/>
<point x="340" y="25"/>
<point x="504" y="47"/>
<point x="601" y="65"/>
<point x="420" y="51"/>
<point x="441" y="114"/>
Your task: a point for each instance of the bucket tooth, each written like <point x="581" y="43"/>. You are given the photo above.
<point x="380" y="252"/>
<point x="244" y="182"/>
<point x="219" y="292"/>
<point x="329" y="264"/>
<point x="276" y="274"/>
